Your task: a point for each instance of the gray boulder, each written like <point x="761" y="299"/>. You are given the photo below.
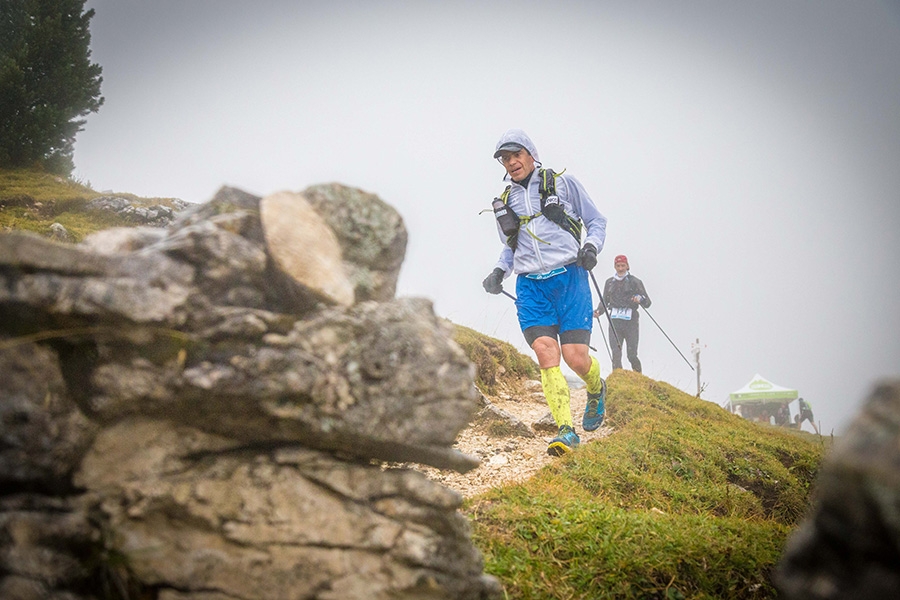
<point x="59" y="232"/>
<point x="849" y="546"/>
<point x="371" y="234"/>
<point x="189" y="415"/>
<point x="44" y="433"/>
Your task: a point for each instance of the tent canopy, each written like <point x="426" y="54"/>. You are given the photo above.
<point x="760" y="391"/>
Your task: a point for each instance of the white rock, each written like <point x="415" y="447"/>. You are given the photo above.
<point x="498" y="460"/>
<point x="303" y="246"/>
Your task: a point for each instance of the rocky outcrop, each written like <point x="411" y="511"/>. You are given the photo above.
<point x="194" y="413"/>
<point x="849" y="546"/>
<point x="153" y="215"/>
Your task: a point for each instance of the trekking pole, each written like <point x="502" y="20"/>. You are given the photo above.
<point x="606" y="310"/>
<point x="668" y="338"/>
<point x="605" y="342"/>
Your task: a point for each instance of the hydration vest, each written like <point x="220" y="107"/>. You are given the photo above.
<point x="551" y="209"/>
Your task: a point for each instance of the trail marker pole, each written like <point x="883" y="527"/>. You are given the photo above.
<point x="695" y="350"/>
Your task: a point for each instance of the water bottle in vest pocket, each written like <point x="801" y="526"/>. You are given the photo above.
<point x="506" y="217"/>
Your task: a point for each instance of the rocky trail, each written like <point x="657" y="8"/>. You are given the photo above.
<point x="509" y="435"/>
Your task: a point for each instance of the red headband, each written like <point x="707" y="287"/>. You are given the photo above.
<point x="621" y="258"/>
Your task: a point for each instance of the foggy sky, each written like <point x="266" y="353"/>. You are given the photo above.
<point x="745" y="154"/>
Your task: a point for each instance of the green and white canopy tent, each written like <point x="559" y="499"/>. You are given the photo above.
<point x="761" y="391"/>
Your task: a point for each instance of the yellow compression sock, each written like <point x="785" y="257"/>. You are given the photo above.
<point x="556" y="391"/>
<point x="592" y="379"/>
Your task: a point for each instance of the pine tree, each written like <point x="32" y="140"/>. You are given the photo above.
<point x="47" y="82"/>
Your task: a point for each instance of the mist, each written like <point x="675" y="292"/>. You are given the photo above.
<point x="745" y="154"/>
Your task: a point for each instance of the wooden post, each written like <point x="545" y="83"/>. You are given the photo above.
<point x="695" y="350"/>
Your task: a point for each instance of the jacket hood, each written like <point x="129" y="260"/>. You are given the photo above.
<point x="517" y="136"/>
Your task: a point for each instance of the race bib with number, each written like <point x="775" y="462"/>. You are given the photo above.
<point x="620" y="313"/>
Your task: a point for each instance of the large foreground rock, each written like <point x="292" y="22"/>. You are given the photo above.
<point x="193" y="413"/>
<point x="849" y="547"/>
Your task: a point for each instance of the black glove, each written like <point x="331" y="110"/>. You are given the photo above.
<point x="587" y="257"/>
<point x="493" y="283"/>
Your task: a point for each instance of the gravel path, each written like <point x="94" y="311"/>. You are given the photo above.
<point x="510" y="458"/>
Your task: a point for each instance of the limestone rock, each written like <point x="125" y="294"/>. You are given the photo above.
<point x="504" y="420"/>
<point x="71" y="284"/>
<point x="183" y="419"/>
<point x="546" y="424"/>
<point x="45" y="543"/>
<point x="849" y="546"/>
<point x="44" y="434"/>
<point x="371" y="234"/>
<point x="154" y="215"/>
<point x="122" y="239"/>
<point x="197" y="514"/>
<point x="302" y="245"/>
<point x="59" y="233"/>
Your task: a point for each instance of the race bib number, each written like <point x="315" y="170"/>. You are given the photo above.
<point x="620" y="313"/>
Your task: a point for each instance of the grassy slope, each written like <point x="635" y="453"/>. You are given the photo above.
<point x="33" y="200"/>
<point x="683" y="500"/>
<point x="498" y="365"/>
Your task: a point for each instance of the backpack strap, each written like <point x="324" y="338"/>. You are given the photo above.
<point x="547" y="188"/>
<point x="547" y="184"/>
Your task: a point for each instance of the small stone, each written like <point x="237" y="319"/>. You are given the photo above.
<point x="498" y="460"/>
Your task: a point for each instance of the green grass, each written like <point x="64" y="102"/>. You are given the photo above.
<point x="41" y="187"/>
<point x="682" y="500"/>
<point x="497" y="363"/>
<point x="33" y="200"/>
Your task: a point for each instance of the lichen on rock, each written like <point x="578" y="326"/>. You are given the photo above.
<point x="219" y="427"/>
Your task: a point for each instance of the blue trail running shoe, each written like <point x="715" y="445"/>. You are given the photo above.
<point x="565" y="441"/>
<point x="595" y="409"/>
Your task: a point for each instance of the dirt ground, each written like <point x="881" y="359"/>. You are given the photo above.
<point x="510" y="458"/>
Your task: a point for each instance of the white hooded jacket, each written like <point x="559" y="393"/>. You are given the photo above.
<point x="548" y="246"/>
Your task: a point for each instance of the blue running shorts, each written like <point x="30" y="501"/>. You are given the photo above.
<point x="557" y="305"/>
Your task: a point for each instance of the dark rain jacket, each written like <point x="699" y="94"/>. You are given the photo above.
<point x="619" y="294"/>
